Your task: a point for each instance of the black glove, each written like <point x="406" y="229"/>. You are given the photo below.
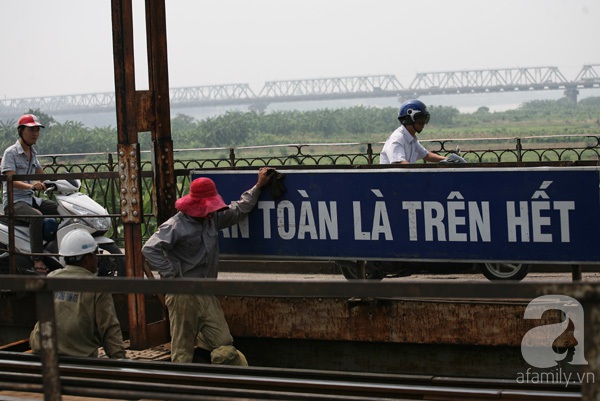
<point x="276" y="186"/>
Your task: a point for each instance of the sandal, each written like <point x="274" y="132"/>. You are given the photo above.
<point x="40" y="267"/>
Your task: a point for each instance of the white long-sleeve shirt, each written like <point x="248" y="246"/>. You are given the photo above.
<point x="402" y="146"/>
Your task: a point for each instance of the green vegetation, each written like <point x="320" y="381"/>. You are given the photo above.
<point x="538" y="117"/>
<point x="555" y="118"/>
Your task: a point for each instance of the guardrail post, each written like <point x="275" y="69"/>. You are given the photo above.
<point x="369" y="153"/>
<point x="519" y="150"/>
<point x="362" y="269"/>
<point x="12" y="258"/>
<point x="111" y="195"/>
<point x="49" y="343"/>
<point x="576" y="273"/>
<point x="590" y="390"/>
<point x="232" y="157"/>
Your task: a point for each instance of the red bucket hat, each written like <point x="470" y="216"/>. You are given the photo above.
<point x="202" y="200"/>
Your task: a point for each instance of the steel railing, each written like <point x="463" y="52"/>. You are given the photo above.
<point x="91" y="168"/>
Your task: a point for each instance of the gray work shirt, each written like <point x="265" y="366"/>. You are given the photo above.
<point x="15" y="159"/>
<point x="185" y="247"/>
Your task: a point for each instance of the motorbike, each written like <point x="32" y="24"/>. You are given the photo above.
<point x="378" y="270"/>
<point x="78" y="211"/>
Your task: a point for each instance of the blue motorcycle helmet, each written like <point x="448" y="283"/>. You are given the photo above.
<point x="413" y="111"/>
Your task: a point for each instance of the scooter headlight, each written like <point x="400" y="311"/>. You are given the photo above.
<point x="96" y="222"/>
<point x="99" y="223"/>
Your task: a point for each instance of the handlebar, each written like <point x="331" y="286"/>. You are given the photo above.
<point x="453" y="158"/>
<point x="62" y="186"/>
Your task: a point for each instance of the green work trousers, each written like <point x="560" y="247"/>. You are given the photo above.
<point x="191" y="315"/>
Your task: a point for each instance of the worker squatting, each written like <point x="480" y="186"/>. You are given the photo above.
<point x="454" y="220"/>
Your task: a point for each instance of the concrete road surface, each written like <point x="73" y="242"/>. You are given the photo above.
<point x="531" y="277"/>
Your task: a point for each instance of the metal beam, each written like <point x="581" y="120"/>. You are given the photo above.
<point x="139" y="111"/>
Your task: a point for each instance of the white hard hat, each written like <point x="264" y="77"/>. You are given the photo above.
<point x="77" y="242"/>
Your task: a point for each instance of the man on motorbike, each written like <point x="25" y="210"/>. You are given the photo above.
<point x="21" y="158"/>
<point x="403" y="146"/>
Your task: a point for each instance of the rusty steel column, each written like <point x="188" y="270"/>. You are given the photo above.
<point x="128" y="159"/>
<point x="158" y="78"/>
<point x="141" y="111"/>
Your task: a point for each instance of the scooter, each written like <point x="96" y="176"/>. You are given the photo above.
<point x="378" y="269"/>
<point x="79" y="211"/>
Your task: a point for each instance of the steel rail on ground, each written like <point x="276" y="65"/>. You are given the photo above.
<point x="588" y="294"/>
<point x="131" y="379"/>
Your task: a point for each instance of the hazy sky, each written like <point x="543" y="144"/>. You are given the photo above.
<point x="57" y="47"/>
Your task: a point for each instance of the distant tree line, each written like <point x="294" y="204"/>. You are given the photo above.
<point x="355" y="124"/>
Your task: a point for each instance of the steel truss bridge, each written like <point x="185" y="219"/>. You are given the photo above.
<point x="370" y="86"/>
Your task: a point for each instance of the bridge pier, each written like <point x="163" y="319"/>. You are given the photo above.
<point x="571" y="94"/>
<point x="258" y="107"/>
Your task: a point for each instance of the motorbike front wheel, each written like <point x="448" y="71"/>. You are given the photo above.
<point x="505" y="271"/>
<point x="109" y="265"/>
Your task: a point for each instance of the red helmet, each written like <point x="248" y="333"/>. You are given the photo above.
<point x="29" y="120"/>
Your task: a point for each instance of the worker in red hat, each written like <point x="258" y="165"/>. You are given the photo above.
<point x="186" y="245"/>
<point x="21" y="158"/>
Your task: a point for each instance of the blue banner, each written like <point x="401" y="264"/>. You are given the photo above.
<point x="542" y="214"/>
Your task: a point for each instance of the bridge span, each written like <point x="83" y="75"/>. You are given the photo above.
<point x="319" y="89"/>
